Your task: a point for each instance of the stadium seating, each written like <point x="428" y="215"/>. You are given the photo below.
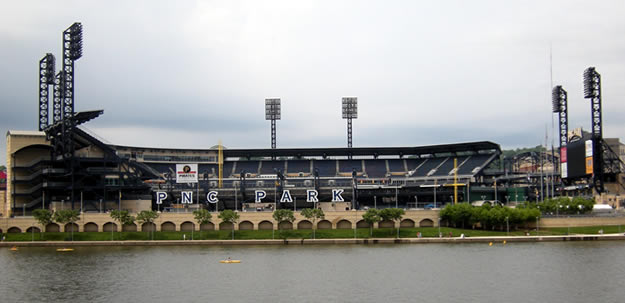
<point x="270" y="167"/>
<point x="247" y="166"/>
<point x="448" y="166"/>
<point x="347" y="166"/>
<point x="375" y="168"/>
<point x="299" y="166"/>
<point x="396" y="165"/>
<point x="327" y="168"/>
<point x="473" y="162"/>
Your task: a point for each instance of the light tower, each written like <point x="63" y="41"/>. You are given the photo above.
<point x="559" y="102"/>
<point x="272" y="112"/>
<point x="592" y="91"/>
<point x="350" y="111"/>
<point x="46" y="78"/>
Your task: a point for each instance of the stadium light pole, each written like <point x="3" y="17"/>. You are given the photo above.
<point x="592" y="91"/>
<point x="350" y="111"/>
<point x="46" y="78"/>
<point x="273" y="113"/>
<point x="559" y="100"/>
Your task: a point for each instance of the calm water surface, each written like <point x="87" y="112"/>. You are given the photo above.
<point x="517" y="272"/>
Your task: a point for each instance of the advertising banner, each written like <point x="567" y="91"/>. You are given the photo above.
<point x="186" y="173"/>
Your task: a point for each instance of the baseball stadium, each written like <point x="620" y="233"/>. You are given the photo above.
<point x="63" y="165"/>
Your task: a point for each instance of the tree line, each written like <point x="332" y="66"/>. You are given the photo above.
<point x="464" y="215"/>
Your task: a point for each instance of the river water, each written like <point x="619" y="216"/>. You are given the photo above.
<point x="516" y="272"/>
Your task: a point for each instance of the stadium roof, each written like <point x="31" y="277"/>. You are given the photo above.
<point x="365" y="151"/>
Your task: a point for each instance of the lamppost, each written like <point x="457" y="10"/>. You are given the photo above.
<point x="507" y="227"/>
<point x="439" y="226"/>
<point x="537" y="228"/>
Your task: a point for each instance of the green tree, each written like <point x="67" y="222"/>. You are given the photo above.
<point x="202" y="216"/>
<point x="229" y="216"/>
<point x="147" y="216"/>
<point x="392" y="214"/>
<point x="313" y="214"/>
<point x="43" y="216"/>
<point x="283" y="215"/>
<point x="371" y="216"/>
<point x="123" y="217"/>
<point x="66" y="216"/>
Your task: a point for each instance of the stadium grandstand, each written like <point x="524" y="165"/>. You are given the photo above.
<point x="103" y="176"/>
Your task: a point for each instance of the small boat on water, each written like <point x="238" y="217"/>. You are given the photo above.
<point x="14" y="248"/>
<point x="64" y="249"/>
<point x="230" y="261"/>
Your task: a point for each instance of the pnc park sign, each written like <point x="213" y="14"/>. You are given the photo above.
<point x="259" y="195"/>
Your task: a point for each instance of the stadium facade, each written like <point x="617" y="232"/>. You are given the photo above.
<point x="99" y="176"/>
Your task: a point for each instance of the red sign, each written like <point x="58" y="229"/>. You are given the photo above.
<point x="563" y="155"/>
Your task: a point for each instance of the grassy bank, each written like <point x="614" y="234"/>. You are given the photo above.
<point x="298" y="234"/>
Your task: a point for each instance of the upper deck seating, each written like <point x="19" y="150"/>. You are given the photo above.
<point x="375" y="168"/>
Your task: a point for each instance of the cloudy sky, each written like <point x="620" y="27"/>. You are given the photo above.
<point x="191" y="73"/>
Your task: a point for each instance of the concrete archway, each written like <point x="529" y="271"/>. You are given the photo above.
<point x="344" y="224"/>
<point x="406" y="223"/>
<point x="225" y="226"/>
<point x="129" y="227"/>
<point x="207" y="226"/>
<point x="168" y="226"/>
<point x="362" y="224"/>
<point x="52" y="228"/>
<point x="304" y="224"/>
<point x="426" y="223"/>
<point x="90" y="227"/>
<point x="187" y="226"/>
<point x="148" y="226"/>
<point x="265" y="225"/>
<point x="71" y="227"/>
<point x="33" y="229"/>
<point x="285" y="225"/>
<point x="386" y="224"/>
<point x="324" y="224"/>
<point x="246" y="225"/>
<point x="14" y="230"/>
<point x="109" y="226"/>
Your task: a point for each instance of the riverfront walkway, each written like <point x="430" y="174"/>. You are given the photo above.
<point x="454" y="240"/>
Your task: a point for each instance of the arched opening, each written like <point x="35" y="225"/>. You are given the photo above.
<point x="129" y="227"/>
<point x="304" y="224"/>
<point x="344" y="224"/>
<point x="406" y="223"/>
<point x="386" y="224"/>
<point x="324" y="224"/>
<point x="187" y="226"/>
<point x="168" y="226"/>
<point x="52" y="228"/>
<point x="148" y="227"/>
<point x="71" y="227"/>
<point x="246" y="225"/>
<point x="285" y="225"/>
<point x="225" y="226"/>
<point x="14" y="230"/>
<point x="33" y="229"/>
<point x="90" y="227"/>
<point x="426" y="223"/>
<point x="109" y="226"/>
<point x="207" y="226"/>
<point x="362" y="224"/>
<point x="265" y="225"/>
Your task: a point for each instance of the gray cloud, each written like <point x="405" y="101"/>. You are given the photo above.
<point x="189" y="73"/>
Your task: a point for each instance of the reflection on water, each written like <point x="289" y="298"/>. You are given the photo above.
<point x="517" y="272"/>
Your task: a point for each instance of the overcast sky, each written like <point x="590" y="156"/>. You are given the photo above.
<point x="190" y="73"/>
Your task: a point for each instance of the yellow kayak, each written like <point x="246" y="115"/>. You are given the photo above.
<point x="14" y="248"/>
<point x="64" y="249"/>
<point x="230" y="261"/>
